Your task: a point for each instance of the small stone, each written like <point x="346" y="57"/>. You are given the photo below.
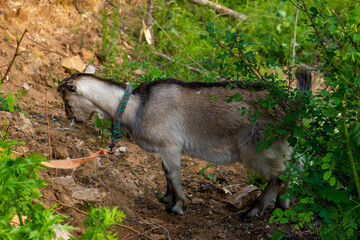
<point x="87" y="55"/>
<point x="222" y="236"/>
<point x="122" y="149"/>
<point x="196" y="200"/>
<point x="26" y="86"/>
<point x="61" y="153"/>
<point x="66" y="181"/>
<point x="73" y="63"/>
<point x="243" y="197"/>
<point x="86" y="194"/>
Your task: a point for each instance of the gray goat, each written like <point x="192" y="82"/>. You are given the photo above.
<point x="172" y="117"/>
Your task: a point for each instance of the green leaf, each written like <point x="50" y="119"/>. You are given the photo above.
<point x="327" y="113"/>
<point x="327" y="157"/>
<point x="279" y="212"/>
<point x="325" y="166"/>
<point x="11" y="101"/>
<point x="332" y="28"/>
<point x="327" y="175"/>
<point x="314" y="11"/>
<point x="97" y="121"/>
<point x="356" y="37"/>
<point x="284" y="220"/>
<point x="272" y="218"/>
<point x="337" y="101"/>
<point x="333" y="20"/>
<point x="304" y="200"/>
<point x="332" y="181"/>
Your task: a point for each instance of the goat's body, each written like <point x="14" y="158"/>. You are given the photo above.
<point x="172" y="117"/>
<point x="188" y="120"/>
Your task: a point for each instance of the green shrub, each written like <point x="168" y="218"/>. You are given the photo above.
<point x="327" y="142"/>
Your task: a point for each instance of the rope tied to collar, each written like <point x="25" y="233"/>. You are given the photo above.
<point x="115" y="125"/>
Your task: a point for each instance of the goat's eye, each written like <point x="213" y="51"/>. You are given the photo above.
<point x="71" y="88"/>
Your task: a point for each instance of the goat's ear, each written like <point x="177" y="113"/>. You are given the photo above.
<point x="90" y="69"/>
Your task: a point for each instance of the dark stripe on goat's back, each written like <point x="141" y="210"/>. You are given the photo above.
<point x="108" y="81"/>
<point x="145" y="88"/>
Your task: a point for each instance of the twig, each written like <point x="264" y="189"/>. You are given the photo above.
<point x="293" y="52"/>
<point x="172" y="60"/>
<point x="167" y="233"/>
<point x="15" y="55"/>
<point x="85" y="213"/>
<point x="148" y="31"/>
<point x="47" y="114"/>
<point x="45" y="49"/>
<point x="354" y="44"/>
<point x="219" y="7"/>
<point x="69" y="129"/>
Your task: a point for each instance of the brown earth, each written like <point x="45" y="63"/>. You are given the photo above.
<point x="63" y="35"/>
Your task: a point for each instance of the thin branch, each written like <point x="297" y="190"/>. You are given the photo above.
<point x="297" y="6"/>
<point x="219" y="7"/>
<point x="15" y="55"/>
<point x="172" y="60"/>
<point x="294" y="44"/>
<point x="45" y="48"/>
<point x="354" y="44"/>
<point x="167" y="233"/>
<point x="47" y="115"/>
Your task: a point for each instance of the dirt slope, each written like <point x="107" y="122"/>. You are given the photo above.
<point x="63" y="34"/>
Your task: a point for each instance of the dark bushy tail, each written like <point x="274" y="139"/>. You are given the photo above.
<point x="303" y="76"/>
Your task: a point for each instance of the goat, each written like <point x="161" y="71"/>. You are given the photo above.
<point x="171" y="117"/>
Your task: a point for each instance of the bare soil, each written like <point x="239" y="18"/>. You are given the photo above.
<point x="132" y="180"/>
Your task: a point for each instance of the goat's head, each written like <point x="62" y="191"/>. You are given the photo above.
<point x="77" y="106"/>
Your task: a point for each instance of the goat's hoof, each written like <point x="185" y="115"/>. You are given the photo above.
<point x="166" y="199"/>
<point x="250" y="213"/>
<point x="282" y="203"/>
<point x="175" y="208"/>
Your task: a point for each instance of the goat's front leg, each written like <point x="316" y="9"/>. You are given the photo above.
<point x="174" y="197"/>
<point x="169" y="196"/>
<point x="270" y="193"/>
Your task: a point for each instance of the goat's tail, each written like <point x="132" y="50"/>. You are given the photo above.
<point x="303" y="77"/>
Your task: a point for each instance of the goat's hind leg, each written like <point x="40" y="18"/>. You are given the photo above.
<point x="174" y="197"/>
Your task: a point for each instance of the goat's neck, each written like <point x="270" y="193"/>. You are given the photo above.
<point x="106" y="99"/>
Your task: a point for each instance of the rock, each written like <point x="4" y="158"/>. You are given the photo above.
<point x="61" y="233"/>
<point x="66" y="181"/>
<point x="196" y="200"/>
<point x="122" y="149"/>
<point x="79" y="192"/>
<point x="87" y="55"/>
<point x="21" y="123"/>
<point x="26" y="86"/>
<point x="73" y="63"/>
<point x="5" y="116"/>
<point x="86" y="194"/>
<point x="61" y="153"/>
<point x="75" y="49"/>
<point x="243" y="197"/>
<point x="222" y="235"/>
<point x="89" y="5"/>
